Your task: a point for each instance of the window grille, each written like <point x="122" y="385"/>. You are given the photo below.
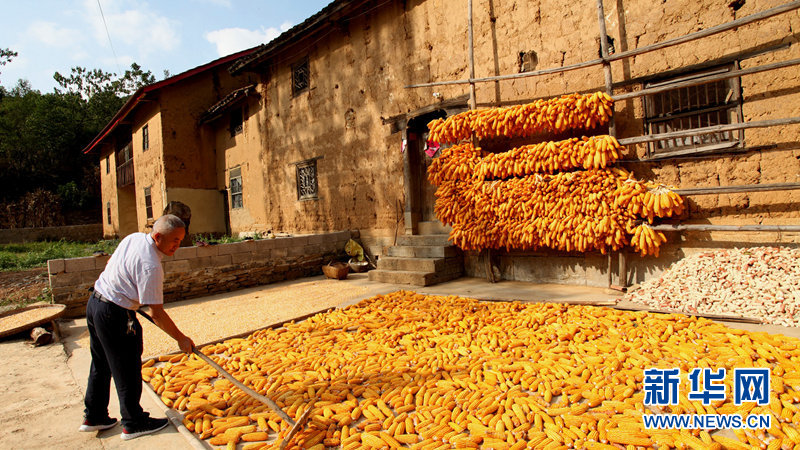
<point x="307" y="186"/>
<point x="148" y="203"/>
<point x="237" y="200"/>
<point x="300" y="77"/>
<point x="685" y="108"/>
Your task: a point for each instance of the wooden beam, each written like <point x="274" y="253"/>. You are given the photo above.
<point x="708" y="130"/>
<point x="740" y="188"/>
<point x="699" y="81"/>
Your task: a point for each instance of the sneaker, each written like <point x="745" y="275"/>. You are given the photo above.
<point x="95" y="425"/>
<point x="149" y="425"/>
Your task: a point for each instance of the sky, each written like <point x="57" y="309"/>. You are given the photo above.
<point x="174" y="35"/>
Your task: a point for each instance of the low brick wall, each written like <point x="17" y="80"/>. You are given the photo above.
<point x="81" y="233"/>
<point x="198" y="271"/>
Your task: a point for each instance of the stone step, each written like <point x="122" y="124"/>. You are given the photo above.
<point x="421" y="264"/>
<point x="411" y="264"/>
<point x="423" y="240"/>
<point x="410" y="277"/>
<point x="433" y="227"/>
<point x="424" y="251"/>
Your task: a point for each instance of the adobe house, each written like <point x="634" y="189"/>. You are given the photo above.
<point x="153" y="152"/>
<point x="324" y="128"/>
<point x="342" y="135"/>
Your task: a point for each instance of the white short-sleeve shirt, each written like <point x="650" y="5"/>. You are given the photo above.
<point x="133" y="275"/>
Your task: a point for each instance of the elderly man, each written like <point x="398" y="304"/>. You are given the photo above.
<point x="132" y="278"/>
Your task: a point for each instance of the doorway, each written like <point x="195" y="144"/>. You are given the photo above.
<point x="420" y="157"/>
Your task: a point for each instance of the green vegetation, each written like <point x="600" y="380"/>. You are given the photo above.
<point x="30" y="255"/>
<point x="211" y="240"/>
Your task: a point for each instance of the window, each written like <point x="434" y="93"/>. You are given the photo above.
<point x="685" y="108"/>
<point x="307" y="186"/>
<point x="145" y="138"/>
<point x="148" y="203"/>
<point x="236" y="126"/>
<point x="108" y="213"/>
<point x="300" y="76"/>
<point x="236" y="188"/>
<point x="108" y="164"/>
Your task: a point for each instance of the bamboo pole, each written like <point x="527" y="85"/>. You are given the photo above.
<point x="630" y="53"/>
<point x="709" y="130"/>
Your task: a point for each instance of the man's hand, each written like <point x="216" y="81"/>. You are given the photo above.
<point x="186" y="344"/>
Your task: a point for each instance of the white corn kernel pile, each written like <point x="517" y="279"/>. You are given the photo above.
<point x="416" y="371"/>
<point x="759" y="282"/>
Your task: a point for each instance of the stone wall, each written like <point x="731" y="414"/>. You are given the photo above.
<point x="198" y="271"/>
<point x="82" y="233"/>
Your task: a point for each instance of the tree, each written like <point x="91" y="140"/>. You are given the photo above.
<point x="42" y="135"/>
<point x="6" y="56"/>
<point x="88" y="83"/>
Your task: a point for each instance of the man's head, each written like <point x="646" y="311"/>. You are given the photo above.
<point x="168" y="232"/>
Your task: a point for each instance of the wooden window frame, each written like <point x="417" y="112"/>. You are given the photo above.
<point x="307" y="178"/>
<point x="301" y="77"/>
<point x="145" y="138"/>
<point x="692" y="107"/>
<point x="236" y="187"/>
<point x="148" y="203"/>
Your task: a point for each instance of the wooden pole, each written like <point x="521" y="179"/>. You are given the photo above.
<point x="472" y="101"/>
<point x="612" y="129"/>
<point x="704" y="80"/>
<point x="630" y="53"/>
<point x="705" y="227"/>
<point x="740" y="188"/>
<point x="709" y="130"/>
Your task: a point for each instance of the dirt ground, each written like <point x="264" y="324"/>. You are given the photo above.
<point x="16" y="287"/>
<point x="43" y="387"/>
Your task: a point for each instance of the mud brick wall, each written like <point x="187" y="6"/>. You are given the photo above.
<point x="198" y="271"/>
<point x="82" y="233"/>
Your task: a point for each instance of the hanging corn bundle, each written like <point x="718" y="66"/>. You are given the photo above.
<point x="573" y="111"/>
<point x="527" y="198"/>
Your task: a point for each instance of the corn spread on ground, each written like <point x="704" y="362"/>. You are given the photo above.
<point x="409" y="370"/>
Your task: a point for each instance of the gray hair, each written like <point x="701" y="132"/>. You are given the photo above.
<point x="167" y="224"/>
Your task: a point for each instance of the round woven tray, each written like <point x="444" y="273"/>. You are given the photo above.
<point x="18" y="320"/>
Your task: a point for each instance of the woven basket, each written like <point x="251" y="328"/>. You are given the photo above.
<point x="336" y="270"/>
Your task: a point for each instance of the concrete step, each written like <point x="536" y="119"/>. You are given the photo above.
<point x="423" y="240"/>
<point x="411" y="277"/>
<point x="424" y="251"/>
<point x="433" y="227"/>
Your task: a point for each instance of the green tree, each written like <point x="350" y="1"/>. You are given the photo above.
<point x="42" y="135"/>
<point x="6" y="56"/>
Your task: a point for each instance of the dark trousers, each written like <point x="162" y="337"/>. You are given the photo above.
<point x="115" y="352"/>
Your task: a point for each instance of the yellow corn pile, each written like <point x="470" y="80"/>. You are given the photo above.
<point x="465" y="162"/>
<point x="569" y="211"/>
<point x="408" y="370"/>
<point x="554" y="115"/>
